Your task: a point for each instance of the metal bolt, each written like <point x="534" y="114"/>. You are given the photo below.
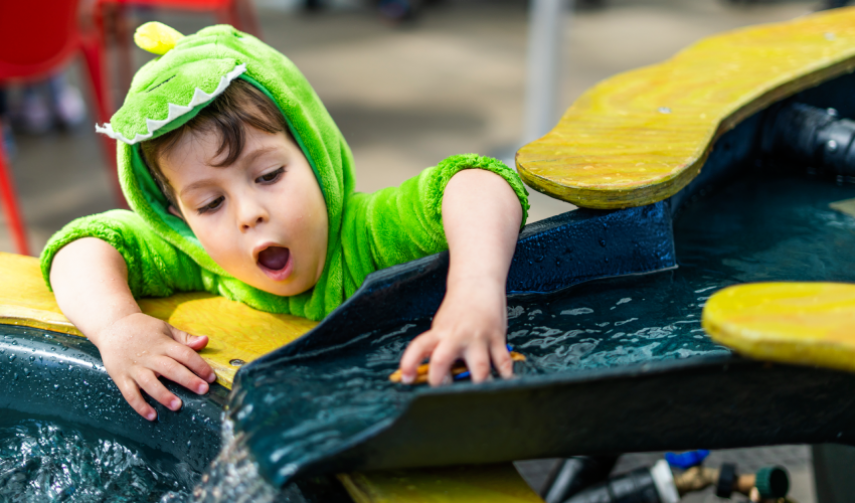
<point x="664" y="110"/>
<point x="237" y="362"/>
<point x="831" y="146"/>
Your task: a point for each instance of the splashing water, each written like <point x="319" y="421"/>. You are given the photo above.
<point x="311" y="407"/>
<point x="308" y="408"/>
<point x="45" y="460"/>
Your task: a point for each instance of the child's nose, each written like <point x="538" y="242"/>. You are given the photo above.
<point x="251" y="215"/>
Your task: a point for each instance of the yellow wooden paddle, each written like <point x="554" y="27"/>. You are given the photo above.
<point x="802" y="323"/>
<point x="641" y="136"/>
<point x="237" y="333"/>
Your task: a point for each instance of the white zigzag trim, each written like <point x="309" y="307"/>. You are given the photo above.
<point x="175" y="111"/>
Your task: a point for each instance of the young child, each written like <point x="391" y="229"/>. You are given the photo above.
<point x="242" y="186"/>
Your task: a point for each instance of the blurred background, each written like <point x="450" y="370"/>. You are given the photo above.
<point x="408" y="82"/>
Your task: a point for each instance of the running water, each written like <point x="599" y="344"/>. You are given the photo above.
<point x="46" y="460"/>
<point x="304" y="411"/>
<point x="233" y="476"/>
<point x="308" y="409"/>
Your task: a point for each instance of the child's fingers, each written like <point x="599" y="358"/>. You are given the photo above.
<point x="502" y="359"/>
<point x="146" y="379"/>
<point x="190" y="359"/>
<point x="134" y="398"/>
<point x="418" y="350"/>
<point x="196" y="342"/>
<point x="478" y="362"/>
<point x="441" y="360"/>
<point x="177" y="373"/>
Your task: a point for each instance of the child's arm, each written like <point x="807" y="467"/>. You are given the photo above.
<point x="90" y="280"/>
<point x="481" y="216"/>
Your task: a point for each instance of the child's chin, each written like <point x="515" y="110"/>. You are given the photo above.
<point x="283" y="289"/>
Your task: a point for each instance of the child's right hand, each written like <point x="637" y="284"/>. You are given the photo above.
<point x="138" y="348"/>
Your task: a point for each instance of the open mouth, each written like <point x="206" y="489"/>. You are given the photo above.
<point x="275" y="262"/>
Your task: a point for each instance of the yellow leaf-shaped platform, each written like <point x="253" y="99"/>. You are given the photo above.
<point x="235" y="331"/>
<point x="802" y="323"/>
<point x="641" y="136"/>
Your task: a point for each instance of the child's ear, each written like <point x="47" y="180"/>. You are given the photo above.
<point x="172" y="209"/>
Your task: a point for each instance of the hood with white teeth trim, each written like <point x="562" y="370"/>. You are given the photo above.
<point x="171" y="89"/>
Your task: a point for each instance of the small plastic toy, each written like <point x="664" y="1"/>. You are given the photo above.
<point x="458" y="371"/>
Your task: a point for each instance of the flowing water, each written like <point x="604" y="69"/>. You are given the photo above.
<point x="47" y="460"/>
<point x="312" y="406"/>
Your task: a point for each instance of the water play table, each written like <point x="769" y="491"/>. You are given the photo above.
<point x="649" y="141"/>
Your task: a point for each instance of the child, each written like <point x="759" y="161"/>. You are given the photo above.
<point x="242" y="186"/>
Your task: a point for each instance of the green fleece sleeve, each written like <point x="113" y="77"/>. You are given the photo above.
<point x="405" y="223"/>
<point x="155" y="267"/>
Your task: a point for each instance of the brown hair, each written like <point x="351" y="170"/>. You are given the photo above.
<point x="241" y="104"/>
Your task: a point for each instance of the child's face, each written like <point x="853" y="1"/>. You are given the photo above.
<point x="263" y="219"/>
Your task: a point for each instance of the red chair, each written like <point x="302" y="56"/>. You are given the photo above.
<point x="37" y="40"/>
<point x="112" y="16"/>
<point x="238" y="13"/>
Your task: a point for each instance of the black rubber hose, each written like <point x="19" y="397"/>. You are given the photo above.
<point x="636" y="486"/>
<point x="803" y="134"/>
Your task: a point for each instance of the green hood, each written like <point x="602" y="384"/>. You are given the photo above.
<point x="169" y="90"/>
<point x="366" y="231"/>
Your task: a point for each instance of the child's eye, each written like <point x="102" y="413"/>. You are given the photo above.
<point x="270" y="177"/>
<point x="213" y="205"/>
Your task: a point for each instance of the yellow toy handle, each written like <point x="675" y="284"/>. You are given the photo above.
<point x="156" y="38"/>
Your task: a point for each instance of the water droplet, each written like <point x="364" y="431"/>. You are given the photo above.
<point x="56" y="386"/>
<point x="236" y="362"/>
<point x="32" y="358"/>
<point x="664" y="110"/>
<point x="603" y="243"/>
<point x="12" y="358"/>
<point x="831" y="146"/>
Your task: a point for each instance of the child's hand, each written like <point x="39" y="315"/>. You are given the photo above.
<point x="138" y="348"/>
<point x="470" y="325"/>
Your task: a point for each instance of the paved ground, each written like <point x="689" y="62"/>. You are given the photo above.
<point x="406" y="97"/>
<point x="795" y="458"/>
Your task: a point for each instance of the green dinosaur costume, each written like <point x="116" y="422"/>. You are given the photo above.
<point x="366" y="231"/>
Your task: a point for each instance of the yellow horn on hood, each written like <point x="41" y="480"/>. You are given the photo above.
<point x="156" y="38"/>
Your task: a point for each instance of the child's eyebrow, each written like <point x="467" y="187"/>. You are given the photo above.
<point x="245" y="159"/>
<point x="255" y="154"/>
<point x="194" y="186"/>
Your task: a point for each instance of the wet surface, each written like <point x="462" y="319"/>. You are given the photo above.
<point x="315" y="405"/>
<point x="49" y="460"/>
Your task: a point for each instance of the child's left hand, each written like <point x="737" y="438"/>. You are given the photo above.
<point x="481" y="216"/>
<point x="469" y="325"/>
